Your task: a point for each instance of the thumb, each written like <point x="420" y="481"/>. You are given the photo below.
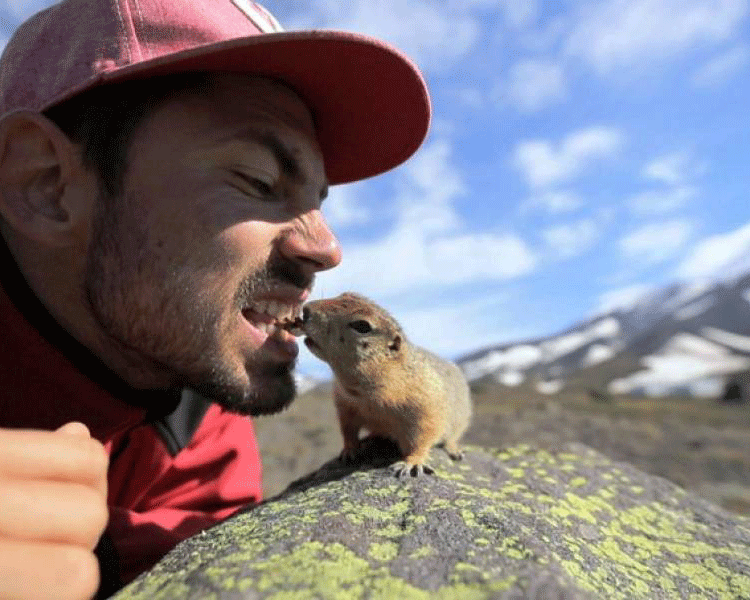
<point x="75" y="428"/>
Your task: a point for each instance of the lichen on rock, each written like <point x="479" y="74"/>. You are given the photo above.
<point x="519" y="522"/>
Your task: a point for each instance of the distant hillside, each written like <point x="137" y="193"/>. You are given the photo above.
<point x="683" y="338"/>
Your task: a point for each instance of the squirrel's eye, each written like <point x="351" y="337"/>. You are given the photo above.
<point x="361" y="326"/>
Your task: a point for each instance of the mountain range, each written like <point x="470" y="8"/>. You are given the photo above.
<point x="684" y="338"/>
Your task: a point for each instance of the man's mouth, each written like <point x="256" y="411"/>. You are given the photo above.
<point x="273" y="316"/>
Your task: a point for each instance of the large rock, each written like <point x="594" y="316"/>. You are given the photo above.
<point x="514" y="523"/>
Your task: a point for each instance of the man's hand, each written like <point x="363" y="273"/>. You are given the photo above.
<point x="53" y="509"/>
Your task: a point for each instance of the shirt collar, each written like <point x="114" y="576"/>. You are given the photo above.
<point x="49" y="378"/>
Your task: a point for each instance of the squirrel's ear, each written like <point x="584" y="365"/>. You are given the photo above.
<point x="395" y="345"/>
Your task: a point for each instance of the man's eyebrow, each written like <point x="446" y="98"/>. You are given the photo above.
<point x="289" y="164"/>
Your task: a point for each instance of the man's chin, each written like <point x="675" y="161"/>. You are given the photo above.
<point x="270" y="390"/>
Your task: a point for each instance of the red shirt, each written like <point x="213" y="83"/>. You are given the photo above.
<point x="171" y="474"/>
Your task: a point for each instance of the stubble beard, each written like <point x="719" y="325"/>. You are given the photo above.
<point x="162" y="321"/>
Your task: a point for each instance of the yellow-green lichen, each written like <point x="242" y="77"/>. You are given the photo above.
<point x="628" y="549"/>
<point x="422" y="552"/>
<point x="385" y="551"/>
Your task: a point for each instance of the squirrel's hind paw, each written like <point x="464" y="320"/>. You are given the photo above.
<point x="403" y="469"/>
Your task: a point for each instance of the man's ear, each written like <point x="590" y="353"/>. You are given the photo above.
<point x="43" y="192"/>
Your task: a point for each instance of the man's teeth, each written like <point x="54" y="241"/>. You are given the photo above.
<point x="280" y="312"/>
<point x="269" y="328"/>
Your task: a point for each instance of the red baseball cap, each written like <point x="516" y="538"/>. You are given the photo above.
<point x="370" y="102"/>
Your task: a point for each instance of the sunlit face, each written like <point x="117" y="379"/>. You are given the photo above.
<point x="215" y="239"/>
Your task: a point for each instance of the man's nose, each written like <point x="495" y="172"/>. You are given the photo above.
<point x="311" y="242"/>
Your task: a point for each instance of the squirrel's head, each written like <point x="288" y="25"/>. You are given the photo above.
<point x="350" y="331"/>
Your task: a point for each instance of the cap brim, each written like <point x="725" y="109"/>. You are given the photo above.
<point x="370" y="102"/>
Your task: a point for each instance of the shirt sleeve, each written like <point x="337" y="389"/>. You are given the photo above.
<point x="156" y="499"/>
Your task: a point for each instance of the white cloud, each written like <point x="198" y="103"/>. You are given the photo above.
<point x="471" y="257"/>
<point x="414" y="258"/>
<point x="533" y="85"/>
<point x="544" y="164"/>
<point x="471" y="97"/>
<point x="723" y="67"/>
<point x="428" y="246"/>
<point x="342" y="208"/>
<point x="454" y="328"/>
<point x="629" y="34"/>
<point x="520" y="13"/>
<point x="656" y="242"/>
<point x="655" y="202"/>
<point x="552" y="201"/>
<point x="431" y="33"/>
<point x="572" y="239"/>
<point x="623" y="298"/>
<point x="545" y="38"/>
<point x="718" y="254"/>
<point x="673" y="168"/>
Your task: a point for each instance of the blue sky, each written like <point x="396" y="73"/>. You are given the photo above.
<point x="581" y="153"/>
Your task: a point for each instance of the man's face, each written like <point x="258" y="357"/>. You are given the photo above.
<point x="216" y="237"/>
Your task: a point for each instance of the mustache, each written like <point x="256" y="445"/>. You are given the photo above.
<point x="276" y="271"/>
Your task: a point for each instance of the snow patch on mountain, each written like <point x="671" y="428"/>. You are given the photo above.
<point x="550" y="387"/>
<point x="680" y="338"/>
<point x="693" y="345"/>
<point x="694" y="309"/>
<point x="560" y="346"/>
<point x="511" y="378"/>
<point x="733" y="340"/>
<point x="687" y="293"/>
<point x="519" y="357"/>
<point x="557" y="347"/>
<point x="596" y="354"/>
<point x="684" y="358"/>
<point x="708" y="387"/>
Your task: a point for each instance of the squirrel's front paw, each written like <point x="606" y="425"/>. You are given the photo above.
<point x="348" y="456"/>
<point x="402" y="469"/>
<point x="455" y="456"/>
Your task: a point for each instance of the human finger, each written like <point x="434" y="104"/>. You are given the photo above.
<point x="38" y="571"/>
<point x="78" y="428"/>
<point x="51" y="511"/>
<point x="75" y="428"/>
<point x="32" y="454"/>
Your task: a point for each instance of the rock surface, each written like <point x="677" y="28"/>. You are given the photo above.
<point x="520" y="522"/>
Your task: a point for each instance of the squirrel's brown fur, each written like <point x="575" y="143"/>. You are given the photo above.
<point x="384" y="383"/>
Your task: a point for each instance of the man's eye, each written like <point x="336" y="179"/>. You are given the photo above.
<point x="260" y="186"/>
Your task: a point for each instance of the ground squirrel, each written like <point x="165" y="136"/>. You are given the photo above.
<point x="384" y="383"/>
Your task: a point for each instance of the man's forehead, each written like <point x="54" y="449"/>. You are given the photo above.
<point x="231" y="109"/>
<point x="265" y="95"/>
